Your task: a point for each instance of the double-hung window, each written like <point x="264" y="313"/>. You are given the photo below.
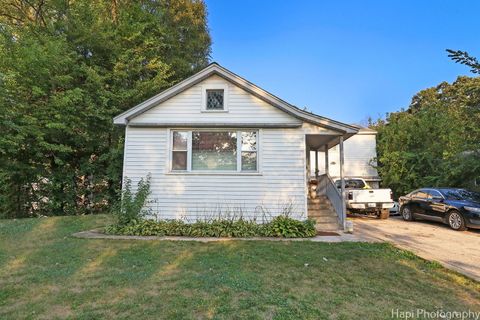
<point x="180" y="150"/>
<point x="249" y="151"/>
<point x="208" y="150"/>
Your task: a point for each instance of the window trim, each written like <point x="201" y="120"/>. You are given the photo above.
<point x="171" y="150"/>
<point x="223" y="87"/>
<point x="189" y="170"/>
<point x="240" y="150"/>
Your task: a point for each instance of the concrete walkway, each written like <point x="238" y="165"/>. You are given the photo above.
<point x="459" y="251"/>
<point x="342" y="237"/>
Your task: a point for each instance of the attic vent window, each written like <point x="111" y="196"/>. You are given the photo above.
<point x="214" y="99"/>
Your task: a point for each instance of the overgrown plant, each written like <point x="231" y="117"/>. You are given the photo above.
<point x="286" y="227"/>
<point x="280" y="226"/>
<point x="131" y="207"/>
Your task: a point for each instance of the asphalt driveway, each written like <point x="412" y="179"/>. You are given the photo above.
<point x="459" y="251"/>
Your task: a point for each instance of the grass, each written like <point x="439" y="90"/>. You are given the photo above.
<point x="45" y="273"/>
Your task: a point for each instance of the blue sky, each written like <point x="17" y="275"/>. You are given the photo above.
<point x="346" y="60"/>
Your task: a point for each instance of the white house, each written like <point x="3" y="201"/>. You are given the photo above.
<point x="360" y="154"/>
<point x="216" y="144"/>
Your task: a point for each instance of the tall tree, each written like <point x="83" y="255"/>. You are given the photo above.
<point x="435" y="142"/>
<point x="66" y="68"/>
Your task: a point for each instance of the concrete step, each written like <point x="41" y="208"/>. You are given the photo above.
<point x="327" y="226"/>
<point x="320" y="209"/>
<point x="322" y="220"/>
<point x="319" y="206"/>
<point x="321" y="213"/>
<point x="319" y="200"/>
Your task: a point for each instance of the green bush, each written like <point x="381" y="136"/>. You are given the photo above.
<point x="131" y="205"/>
<point x="281" y="226"/>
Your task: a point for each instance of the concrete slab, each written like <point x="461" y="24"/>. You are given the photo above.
<point x="459" y="251"/>
<point x="97" y="234"/>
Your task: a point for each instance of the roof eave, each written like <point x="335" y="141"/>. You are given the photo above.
<point x="214" y="68"/>
<point x="122" y="119"/>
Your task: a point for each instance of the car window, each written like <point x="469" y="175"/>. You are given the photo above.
<point x="354" y="184"/>
<point x="351" y="184"/>
<point x="461" y="194"/>
<point x="420" y="195"/>
<point x="434" y="194"/>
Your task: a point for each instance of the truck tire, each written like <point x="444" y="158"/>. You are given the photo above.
<point x="384" y="214"/>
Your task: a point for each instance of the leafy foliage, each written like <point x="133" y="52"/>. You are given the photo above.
<point x="66" y="68"/>
<point x="435" y="142"/>
<point x="131" y="206"/>
<point x="283" y="226"/>
<point x="280" y="226"/>
<point x="464" y="58"/>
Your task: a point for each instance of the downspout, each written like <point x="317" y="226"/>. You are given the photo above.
<point x="342" y="179"/>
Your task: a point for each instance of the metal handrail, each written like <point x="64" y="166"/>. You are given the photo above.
<point x="333" y="183"/>
<point x="334" y="195"/>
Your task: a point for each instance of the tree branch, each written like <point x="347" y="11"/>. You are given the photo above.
<point x="464" y="58"/>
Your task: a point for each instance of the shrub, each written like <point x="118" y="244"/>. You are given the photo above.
<point x="281" y="226"/>
<point x="131" y="206"/>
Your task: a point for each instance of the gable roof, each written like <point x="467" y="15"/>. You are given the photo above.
<point x="364" y="130"/>
<point x="215" y="69"/>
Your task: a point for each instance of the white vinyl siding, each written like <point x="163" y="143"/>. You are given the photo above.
<point x="360" y="150"/>
<point x="187" y="108"/>
<point x="279" y="182"/>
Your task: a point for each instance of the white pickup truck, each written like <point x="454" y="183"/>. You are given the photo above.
<point x="363" y="199"/>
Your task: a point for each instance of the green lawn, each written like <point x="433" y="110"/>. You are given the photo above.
<point x="45" y="273"/>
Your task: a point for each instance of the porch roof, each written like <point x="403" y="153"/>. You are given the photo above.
<point x="320" y="141"/>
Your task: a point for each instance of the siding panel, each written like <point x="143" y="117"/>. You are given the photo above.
<point x="200" y="196"/>
<point x="360" y="150"/>
<point x="242" y="108"/>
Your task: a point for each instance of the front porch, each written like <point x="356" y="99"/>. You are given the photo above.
<point x="326" y="204"/>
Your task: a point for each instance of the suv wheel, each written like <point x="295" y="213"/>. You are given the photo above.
<point x="407" y="213"/>
<point x="456" y="221"/>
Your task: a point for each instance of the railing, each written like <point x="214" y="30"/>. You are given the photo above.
<point x="327" y="187"/>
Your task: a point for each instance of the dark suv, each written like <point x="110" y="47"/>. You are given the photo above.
<point x="459" y="208"/>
